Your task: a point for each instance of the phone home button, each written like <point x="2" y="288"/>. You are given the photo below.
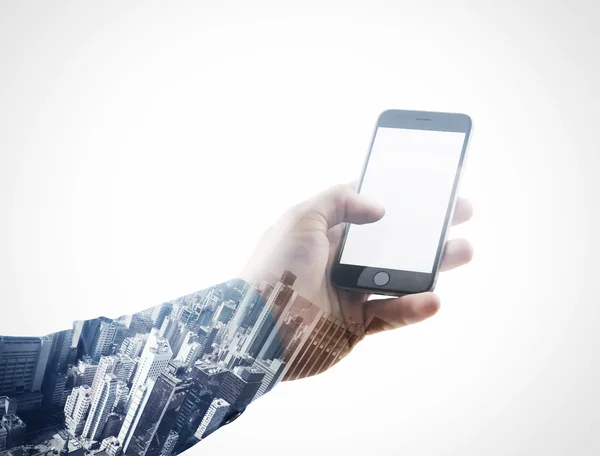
<point x="381" y="278"/>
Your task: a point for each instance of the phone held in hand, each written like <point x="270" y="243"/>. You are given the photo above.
<point x="413" y="169"/>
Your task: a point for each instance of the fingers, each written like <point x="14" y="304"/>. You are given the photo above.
<point x="462" y="212"/>
<point x="341" y="204"/>
<point x="458" y="252"/>
<point x="392" y="313"/>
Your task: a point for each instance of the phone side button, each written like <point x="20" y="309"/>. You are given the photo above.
<point x="381" y="278"/>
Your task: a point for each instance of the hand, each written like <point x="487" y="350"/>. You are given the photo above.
<point x="305" y="241"/>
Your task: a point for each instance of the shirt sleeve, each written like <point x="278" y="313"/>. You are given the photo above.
<point x="159" y="381"/>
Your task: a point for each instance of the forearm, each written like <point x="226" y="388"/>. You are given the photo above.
<point x="189" y="365"/>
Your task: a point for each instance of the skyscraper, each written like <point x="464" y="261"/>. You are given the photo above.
<point x="133" y="346"/>
<point x="7" y="406"/>
<point x="102" y="403"/>
<point x="140" y="323"/>
<point x="124" y="368"/>
<point x="280" y="337"/>
<point x="121" y="397"/>
<point x="15" y="430"/>
<point x="207" y="343"/>
<point x="114" y="421"/>
<point x="246" y="304"/>
<point x="225" y="312"/>
<point x="178" y="337"/>
<point x="214" y="418"/>
<point x="158" y="416"/>
<point x="240" y="386"/>
<point x="3" y="436"/>
<point x="280" y="297"/>
<point x="137" y="403"/>
<point x="189" y="353"/>
<point x="86" y="371"/>
<point x="168" y="327"/>
<point x="23" y="362"/>
<point x="160" y="312"/>
<point x="54" y="387"/>
<point x="77" y="408"/>
<point x="273" y="371"/>
<point x="97" y="337"/>
<point x="206" y="382"/>
<point x="106" y="365"/>
<point x="122" y="332"/>
<point x="104" y="340"/>
<point x="59" y="351"/>
<point x="170" y="444"/>
<point x="153" y="360"/>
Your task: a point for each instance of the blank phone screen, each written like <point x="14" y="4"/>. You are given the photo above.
<point x="411" y="173"/>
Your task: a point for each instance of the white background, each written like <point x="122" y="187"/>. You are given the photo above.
<point x="411" y="173"/>
<point x="144" y="147"/>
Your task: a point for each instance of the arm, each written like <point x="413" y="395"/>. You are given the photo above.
<point x="156" y="382"/>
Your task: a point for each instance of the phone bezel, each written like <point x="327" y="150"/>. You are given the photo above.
<point x="360" y="278"/>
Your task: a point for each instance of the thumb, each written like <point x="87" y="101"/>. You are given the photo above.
<point x="341" y="204"/>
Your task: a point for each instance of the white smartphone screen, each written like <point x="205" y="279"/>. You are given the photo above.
<point x="411" y="173"/>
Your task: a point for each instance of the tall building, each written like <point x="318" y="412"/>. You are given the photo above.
<point x="23" y="362"/>
<point x="240" y="386"/>
<point x="86" y="371"/>
<point x="97" y="337"/>
<point x="246" y="304"/>
<point x="133" y="346"/>
<point x="168" y="327"/>
<point x="158" y="416"/>
<point x="111" y="446"/>
<point x="104" y="340"/>
<point x="234" y="359"/>
<point x="15" y="430"/>
<point x="59" y="351"/>
<point x="214" y="418"/>
<point x="280" y="337"/>
<point x="140" y="324"/>
<point x="225" y="312"/>
<point x="113" y="424"/>
<point x="189" y="353"/>
<point x="280" y="297"/>
<point x="7" y="406"/>
<point x="211" y="335"/>
<point x="137" y="403"/>
<point x="153" y="360"/>
<point x="121" y="397"/>
<point x="206" y="381"/>
<point x="122" y="332"/>
<point x="190" y="337"/>
<point x="3" y="437"/>
<point x="178" y="337"/>
<point x="170" y="444"/>
<point x="54" y="388"/>
<point x="273" y="371"/>
<point x="77" y="408"/>
<point x="102" y="403"/>
<point x="160" y="312"/>
<point x="258" y="301"/>
<point x="124" y="368"/>
<point x="106" y="365"/>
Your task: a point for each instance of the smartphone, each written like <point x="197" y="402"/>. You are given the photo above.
<point x="413" y="169"/>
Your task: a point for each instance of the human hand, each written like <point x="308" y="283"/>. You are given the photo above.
<point x="305" y="241"/>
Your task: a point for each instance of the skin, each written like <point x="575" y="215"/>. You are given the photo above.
<point x="306" y="239"/>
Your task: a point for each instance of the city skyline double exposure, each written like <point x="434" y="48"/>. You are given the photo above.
<point x="159" y="381"/>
